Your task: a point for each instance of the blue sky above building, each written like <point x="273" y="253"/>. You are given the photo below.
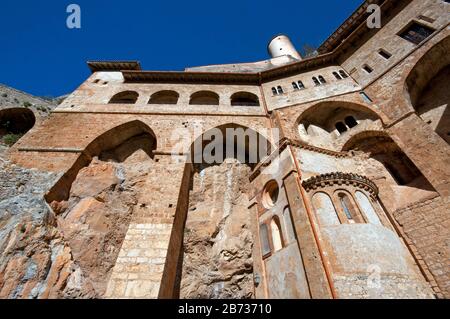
<point x="40" y="55"/>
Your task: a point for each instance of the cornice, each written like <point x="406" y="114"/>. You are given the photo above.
<point x="338" y="178"/>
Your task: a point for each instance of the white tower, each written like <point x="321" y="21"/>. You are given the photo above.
<point x="282" y="45"/>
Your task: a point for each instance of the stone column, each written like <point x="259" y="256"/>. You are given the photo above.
<point x="315" y="272"/>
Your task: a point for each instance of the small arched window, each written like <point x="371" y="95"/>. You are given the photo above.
<point x="350" y="121"/>
<point x="275" y="229"/>
<point x="164" y="97"/>
<point x="274" y="91"/>
<point x="244" y="99"/>
<point x="341" y="127"/>
<point x="322" y="79"/>
<point x="127" y="97"/>
<point x="280" y="90"/>
<point x="343" y="74"/>
<point x="300" y="84"/>
<point x="204" y="98"/>
<point x="316" y="82"/>
<point x="349" y="208"/>
<point x="337" y="76"/>
<point x="295" y="86"/>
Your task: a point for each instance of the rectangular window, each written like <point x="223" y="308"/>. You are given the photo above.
<point x="367" y="68"/>
<point x="416" y="33"/>
<point x="265" y="242"/>
<point x="384" y="54"/>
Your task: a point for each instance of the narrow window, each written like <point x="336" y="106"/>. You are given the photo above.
<point x="96" y="81"/>
<point x="295" y="86"/>
<point x="350" y="121"/>
<point x="384" y="54"/>
<point x="343" y="199"/>
<point x="322" y="79"/>
<point x="367" y="68"/>
<point x="280" y="90"/>
<point x="276" y="235"/>
<point x="343" y="74"/>
<point x="416" y="33"/>
<point x="274" y="91"/>
<point x="316" y="82"/>
<point x="265" y="242"/>
<point x="337" y="76"/>
<point x="341" y="127"/>
<point x="301" y="85"/>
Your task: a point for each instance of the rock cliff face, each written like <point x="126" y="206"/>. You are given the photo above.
<point x="218" y="243"/>
<point x="66" y="251"/>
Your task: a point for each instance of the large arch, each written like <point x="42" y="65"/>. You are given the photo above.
<point x="115" y="144"/>
<point x="426" y="88"/>
<point x="406" y="180"/>
<point x="213" y="203"/>
<point x="15" y="122"/>
<point x="327" y="124"/>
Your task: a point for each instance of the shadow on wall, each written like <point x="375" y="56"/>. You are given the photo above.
<point x="324" y="124"/>
<point x="426" y="88"/>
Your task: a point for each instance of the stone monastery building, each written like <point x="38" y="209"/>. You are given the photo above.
<point x="350" y="198"/>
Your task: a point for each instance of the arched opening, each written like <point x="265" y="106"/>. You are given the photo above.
<point x="95" y="200"/>
<point x="343" y="74"/>
<point x="316" y="82"/>
<point x="164" y="97"/>
<point x="244" y="99"/>
<point x="277" y="239"/>
<point x="14" y="123"/>
<point x="217" y="221"/>
<point x="116" y="144"/>
<point x="340" y="127"/>
<point x="127" y="97"/>
<point x="348" y="207"/>
<point x="405" y="179"/>
<point x="325" y="210"/>
<point x="204" y="98"/>
<point x="323" y="124"/>
<point x="295" y="86"/>
<point x="280" y="90"/>
<point x="350" y="121"/>
<point x="322" y="80"/>
<point x="337" y="76"/>
<point x="427" y="87"/>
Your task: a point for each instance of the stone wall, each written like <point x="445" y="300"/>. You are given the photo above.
<point x="426" y="225"/>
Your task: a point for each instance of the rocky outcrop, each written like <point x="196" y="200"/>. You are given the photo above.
<point x="66" y="250"/>
<point x="218" y="243"/>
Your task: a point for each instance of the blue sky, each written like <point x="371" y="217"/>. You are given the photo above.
<point x="40" y="55"/>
